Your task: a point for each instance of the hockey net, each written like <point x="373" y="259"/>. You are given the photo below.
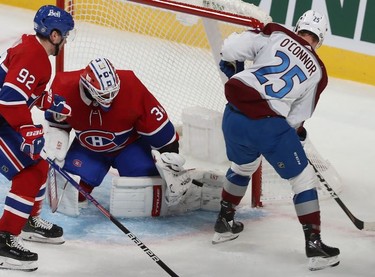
<point x="173" y="47"/>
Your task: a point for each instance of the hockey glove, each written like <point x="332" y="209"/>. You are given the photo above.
<point x="33" y="140"/>
<point x="231" y="68"/>
<point x="170" y="167"/>
<point x="55" y="104"/>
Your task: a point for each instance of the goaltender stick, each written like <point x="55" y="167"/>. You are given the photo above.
<point x="119" y="124"/>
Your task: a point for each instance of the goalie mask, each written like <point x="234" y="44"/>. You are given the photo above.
<point x="102" y="82"/>
<point x="314" y="22"/>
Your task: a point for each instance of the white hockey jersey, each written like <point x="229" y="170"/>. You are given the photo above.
<point x="285" y="79"/>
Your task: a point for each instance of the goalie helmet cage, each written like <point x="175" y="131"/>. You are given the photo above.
<point x="173" y="47"/>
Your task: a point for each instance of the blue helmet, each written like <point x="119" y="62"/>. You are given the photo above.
<point x="49" y="18"/>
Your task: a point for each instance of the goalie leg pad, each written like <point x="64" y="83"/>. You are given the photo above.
<point x="145" y="196"/>
<point x="137" y="197"/>
<point x="68" y="196"/>
<point x="213" y="183"/>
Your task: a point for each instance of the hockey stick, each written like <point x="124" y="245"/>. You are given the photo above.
<point x="54" y="199"/>
<point x="361" y="225"/>
<point x="133" y="237"/>
<point x="52" y="190"/>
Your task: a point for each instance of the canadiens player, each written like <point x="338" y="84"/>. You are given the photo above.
<point x="117" y="123"/>
<point x="24" y="73"/>
<point x="270" y="100"/>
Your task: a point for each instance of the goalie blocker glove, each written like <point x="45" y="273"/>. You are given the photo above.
<point x="56" y="145"/>
<point x="170" y="168"/>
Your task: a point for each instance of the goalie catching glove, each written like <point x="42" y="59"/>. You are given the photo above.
<point x="170" y="167"/>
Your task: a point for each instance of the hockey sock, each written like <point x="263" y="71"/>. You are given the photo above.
<point x="234" y="187"/>
<point x="19" y="202"/>
<point x="307" y="208"/>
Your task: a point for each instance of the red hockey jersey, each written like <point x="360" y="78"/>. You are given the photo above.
<point x="134" y="112"/>
<point x="23" y="80"/>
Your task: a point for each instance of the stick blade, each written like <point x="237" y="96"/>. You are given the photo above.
<point x="52" y="190"/>
<point x="369" y="226"/>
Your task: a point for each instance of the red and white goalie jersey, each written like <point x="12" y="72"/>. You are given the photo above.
<point x="134" y="112"/>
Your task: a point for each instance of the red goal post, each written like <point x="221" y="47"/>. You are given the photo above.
<point x="220" y="15"/>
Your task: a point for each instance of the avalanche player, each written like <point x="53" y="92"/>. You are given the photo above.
<point x="117" y="122"/>
<point x="270" y="101"/>
<point x="24" y="73"/>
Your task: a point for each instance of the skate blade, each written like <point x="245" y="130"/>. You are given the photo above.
<point x="13" y="264"/>
<point x="318" y="263"/>
<point x="33" y="237"/>
<point x="223" y="237"/>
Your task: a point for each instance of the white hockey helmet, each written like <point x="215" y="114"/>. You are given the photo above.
<point x="101" y="81"/>
<point x="314" y="22"/>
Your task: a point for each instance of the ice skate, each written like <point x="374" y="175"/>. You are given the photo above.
<point x="225" y="227"/>
<point x="13" y="255"/>
<point x="39" y="230"/>
<point x="320" y="255"/>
